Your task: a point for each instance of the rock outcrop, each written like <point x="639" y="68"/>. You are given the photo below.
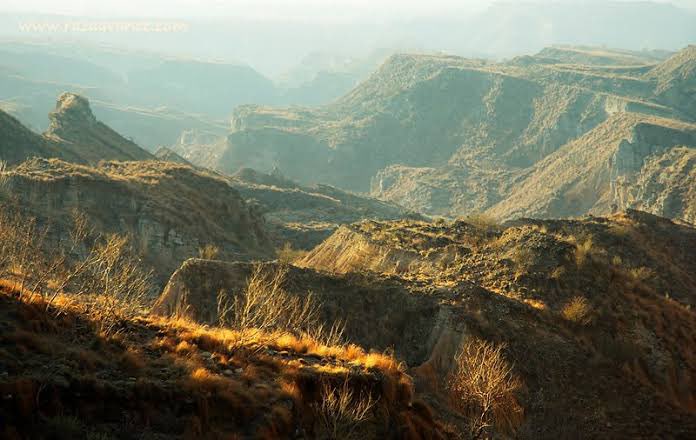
<point x="75" y="128"/>
<point x="74" y="135"/>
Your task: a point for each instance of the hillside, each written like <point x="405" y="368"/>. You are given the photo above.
<point x="170" y="210"/>
<point x="305" y="215"/>
<point x="448" y="136"/>
<point x="596" y="314"/>
<point x="172" y="378"/>
<point x="74" y="134"/>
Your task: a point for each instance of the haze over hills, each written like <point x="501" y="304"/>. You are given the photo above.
<point x="150" y="97"/>
<point x="352" y="219"/>
<point x="449" y="136"/>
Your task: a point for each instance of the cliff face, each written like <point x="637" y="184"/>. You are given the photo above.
<point x="663" y="184"/>
<point x="170" y="210"/>
<point x="593" y="173"/>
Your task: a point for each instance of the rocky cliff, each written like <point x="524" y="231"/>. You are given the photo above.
<point x="75" y="128"/>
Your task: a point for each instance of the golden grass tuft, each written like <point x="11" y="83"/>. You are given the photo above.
<point x="288" y="255"/>
<point x="577" y="310"/>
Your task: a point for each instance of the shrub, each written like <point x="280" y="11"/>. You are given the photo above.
<point x="578" y="310"/>
<point x="266" y="306"/>
<point x="288" y="255"/>
<point x="341" y="412"/>
<point x="208" y="252"/>
<point x="482" y="387"/>
<point x="109" y="280"/>
<point x="582" y="252"/>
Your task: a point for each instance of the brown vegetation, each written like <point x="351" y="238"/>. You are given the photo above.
<point x="269" y="374"/>
<point x="482" y="386"/>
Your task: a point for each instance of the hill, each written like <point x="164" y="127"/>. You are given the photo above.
<point x="595" y="314"/>
<point x="74" y="134"/>
<point x="172" y="378"/>
<point x="303" y="216"/>
<point x="448" y="136"/>
<point x="171" y="211"/>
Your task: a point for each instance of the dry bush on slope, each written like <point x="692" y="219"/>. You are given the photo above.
<point x="113" y="282"/>
<point x="209" y="252"/>
<point x="288" y="255"/>
<point x="482" y="386"/>
<point x="265" y="306"/>
<point x="341" y="412"/>
<point x="578" y="310"/>
<point x="106" y="275"/>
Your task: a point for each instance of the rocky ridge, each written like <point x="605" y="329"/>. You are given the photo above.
<point x="449" y="136"/>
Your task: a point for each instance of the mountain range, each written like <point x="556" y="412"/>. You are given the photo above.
<point x="450" y="136"/>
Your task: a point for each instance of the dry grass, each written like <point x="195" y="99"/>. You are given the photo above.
<point x="171" y="359"/>
<point x="482" y="386"/>
<point x="341" y="411"/>
<point x="583" y="251"/>
<point x="288" y="255"/>
<point x="208" y="252"/>
<point x="578" y="310"/>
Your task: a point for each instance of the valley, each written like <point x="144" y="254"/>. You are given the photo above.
<point x="389" y="241"/>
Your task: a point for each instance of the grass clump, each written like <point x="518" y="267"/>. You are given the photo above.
<point x="288" y="255"/>
<point x="577" y="310"/>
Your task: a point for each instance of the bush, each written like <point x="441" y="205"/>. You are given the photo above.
<point x="578" y="310"/>
<point x="582" y="252"/>
<point x="482" y="387"/>
<point x="105" y="274"/>
<point x="266" y="306"/>
<point x="209" y="252"/>
<point x="288" y="255"/>
<point x="341" y="413"/>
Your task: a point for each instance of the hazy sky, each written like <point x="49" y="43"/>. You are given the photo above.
<point x="246" y="8"/>
<point x="304" y="9"/>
